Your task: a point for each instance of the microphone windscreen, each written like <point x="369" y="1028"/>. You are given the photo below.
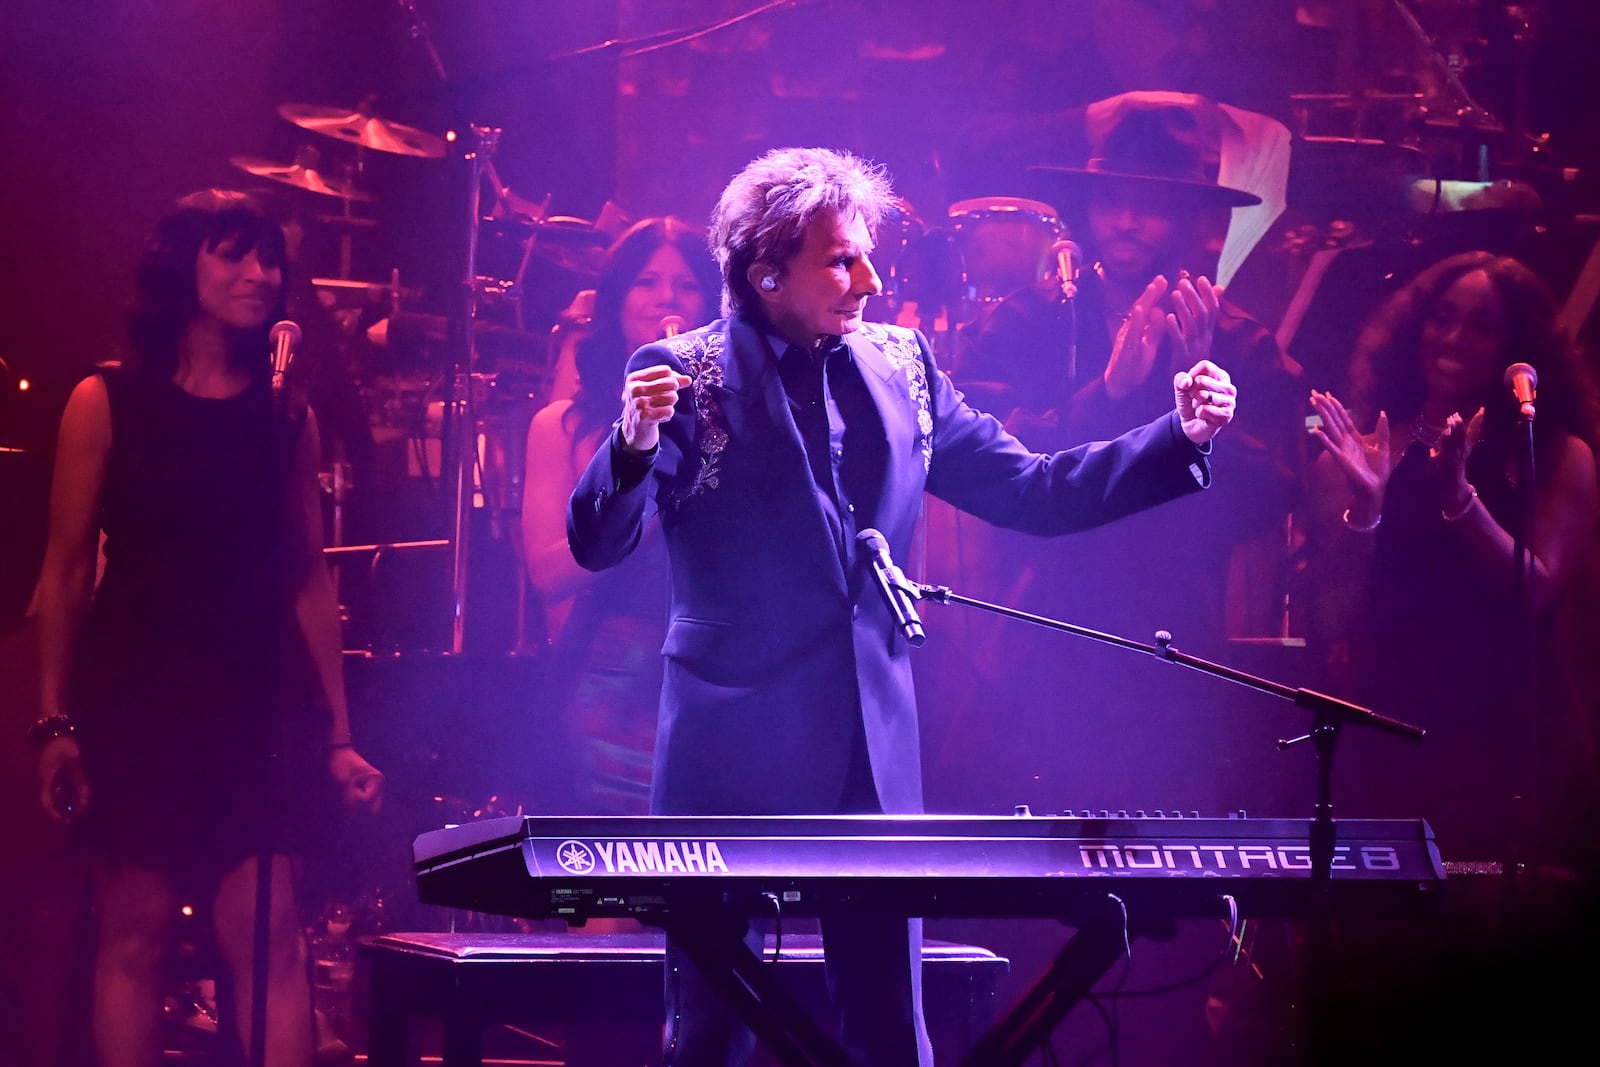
<point x="1070" y="247"/>
<point x="1523" y="369"/>
<point x="874" y="540"/>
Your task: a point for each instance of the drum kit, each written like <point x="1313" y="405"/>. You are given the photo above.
<point x="440" y="413"/>
<point x="1005" y="244"/>
<point x="425" y="401"/>
<point x="456" y="402"/>
<point x="938" y="278"/>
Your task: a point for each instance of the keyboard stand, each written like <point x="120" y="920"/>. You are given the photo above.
<point x="715" y="944"/>
<point x="1103" y="936"/>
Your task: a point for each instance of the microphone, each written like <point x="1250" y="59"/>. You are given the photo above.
<point x="1523" y="381"/>
<point x="898" y="592"/>
<point x="285" y="339"/>
<point x="671" y="325"/>
<point x="1067" y="255"/>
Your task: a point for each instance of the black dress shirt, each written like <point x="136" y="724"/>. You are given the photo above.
<point x="842" y="433"/>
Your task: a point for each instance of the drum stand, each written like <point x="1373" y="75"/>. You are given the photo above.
<point x="471" y="155"/>
<point x="459" y="449"/>
<point x="464" y="464"/>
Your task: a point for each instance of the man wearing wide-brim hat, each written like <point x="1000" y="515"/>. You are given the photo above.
<point x="1151" y="215"/>
<point x="1148" y="209"/>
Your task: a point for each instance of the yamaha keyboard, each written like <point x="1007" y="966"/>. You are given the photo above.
<point x="1112" y="879"/>
<point x="651" y="867"/>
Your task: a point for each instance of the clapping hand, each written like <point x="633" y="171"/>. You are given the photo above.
<point x="1190" y="326"/>
<point x="1447" y="462"/>
<point x="1133" y="353"/>
<point x="1364" y="458"/>
<point x="1192" y="323"/>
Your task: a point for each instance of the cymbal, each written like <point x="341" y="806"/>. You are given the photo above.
<point x="353" y="285"/>
<point x="423" y="326"/>
<point x="356" y="293"/>
<point x="345" y="222"/>
<point x="1352" y="178"/>
<point x="585" y="262"/>
<point x="368" y="131"/>
<point x="569" y="243"/>
<point x="1358" y="154"/>
<point x="300" y="176"/>
<point x="569" y="228"/>
<point x="1345" y="101"/>
<point x="1468" y="124"/>
<point x="560" y="229"/>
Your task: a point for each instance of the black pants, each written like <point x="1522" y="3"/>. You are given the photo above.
<point x="874" y="971"/>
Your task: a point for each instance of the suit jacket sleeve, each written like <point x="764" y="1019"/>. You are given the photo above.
<point x="979" y="467"/>
<point x="614" y="497"/>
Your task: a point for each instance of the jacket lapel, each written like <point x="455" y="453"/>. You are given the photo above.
<point x="887" y="386"/>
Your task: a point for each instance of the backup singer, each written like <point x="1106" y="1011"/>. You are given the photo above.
<point x="1414" y="513"/>
<point x="192" y="696"/>
<point x="605" y="630"/>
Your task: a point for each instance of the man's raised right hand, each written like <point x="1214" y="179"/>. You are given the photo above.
<point x="649" y="398"/>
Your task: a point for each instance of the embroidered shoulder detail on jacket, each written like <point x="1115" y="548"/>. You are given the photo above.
<point x="900" y="348"/>
<point x="701" y="354"/>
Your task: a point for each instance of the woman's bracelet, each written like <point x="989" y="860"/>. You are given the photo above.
<point x="1368" y="528"/>
<point x="1472" y="498"/>
<point x="49" y="728"/>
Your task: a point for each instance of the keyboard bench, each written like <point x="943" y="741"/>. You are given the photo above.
<point x="470" y="981"/>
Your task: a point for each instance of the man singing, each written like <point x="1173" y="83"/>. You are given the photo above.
<point x="767" y="441"/>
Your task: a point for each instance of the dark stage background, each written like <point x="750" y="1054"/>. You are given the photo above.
<point x="110" y="109"/>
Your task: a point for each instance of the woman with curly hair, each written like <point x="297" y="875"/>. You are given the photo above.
<point x="1437" y="579"/>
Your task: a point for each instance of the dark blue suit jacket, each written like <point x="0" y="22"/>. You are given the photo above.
<point x="776" y="645"/>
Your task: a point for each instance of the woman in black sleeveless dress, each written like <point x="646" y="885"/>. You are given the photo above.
<point x="194" y="707"/>
<point x="1422" y="602"/>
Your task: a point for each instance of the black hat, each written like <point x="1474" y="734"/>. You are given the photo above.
<point x="1153" y="141"/>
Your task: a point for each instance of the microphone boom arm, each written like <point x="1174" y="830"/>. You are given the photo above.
<point x="1325" y="706"/>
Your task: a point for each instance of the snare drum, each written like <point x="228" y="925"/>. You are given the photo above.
<point x="1004" y="244"/>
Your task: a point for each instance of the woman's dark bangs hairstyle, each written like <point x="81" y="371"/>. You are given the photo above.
<point x="601" y="356"/>
<point x="225" y="220"/>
